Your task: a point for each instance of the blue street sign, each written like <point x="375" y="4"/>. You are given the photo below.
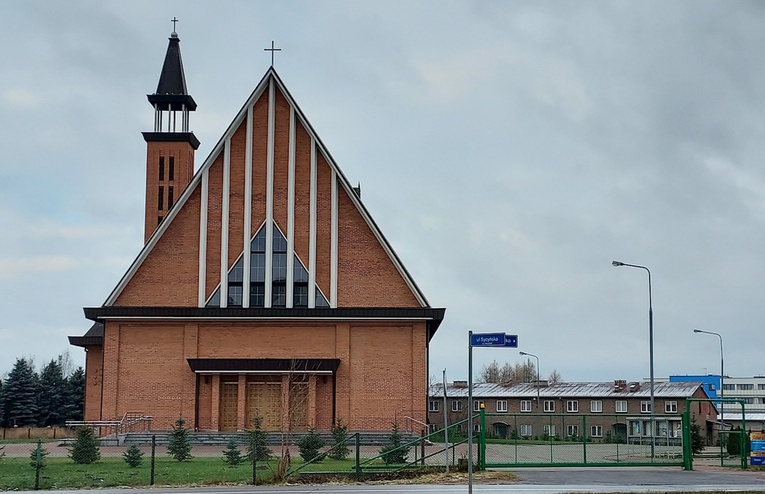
<point x="487" y="339"/>
<point x="511" y="340"/>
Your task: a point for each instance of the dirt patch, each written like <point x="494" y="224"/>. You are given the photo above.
<point x="409" y="477"/>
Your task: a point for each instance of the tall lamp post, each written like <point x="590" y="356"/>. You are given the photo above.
<point x="722" y="373"/>
<point x="532" y="355"/>
<point x="650" y="348"/>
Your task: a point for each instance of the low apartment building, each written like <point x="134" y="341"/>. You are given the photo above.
<point x="618" y="411"/>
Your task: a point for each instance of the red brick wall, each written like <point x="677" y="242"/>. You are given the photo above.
<point x="93" y="382"/>
<point x="375" y="383"/>
<point x="366" y="275"/>
<point x="236" y="195"/>
<point x="214" y="214"/>
<point x="183" y="153"/>
<point x="259" y="160"/>
<point x="169" y="276"/>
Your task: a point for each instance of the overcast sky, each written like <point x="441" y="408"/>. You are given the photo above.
<point x="508" y="150"/>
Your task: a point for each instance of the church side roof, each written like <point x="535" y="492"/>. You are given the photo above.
<point x="663" y="389"/>
<point x="218" y="149"/>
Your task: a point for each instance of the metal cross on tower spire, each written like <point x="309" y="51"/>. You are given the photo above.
<point x="174" y="20"/>
<point x="272" y="50"/>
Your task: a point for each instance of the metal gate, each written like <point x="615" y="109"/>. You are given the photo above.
<point x="514" y="440"/>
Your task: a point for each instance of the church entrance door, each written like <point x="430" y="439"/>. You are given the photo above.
<point x="228" y="405"/>
<point x="264" y="400"/>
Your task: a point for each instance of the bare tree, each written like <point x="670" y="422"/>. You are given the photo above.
<point x="509" y="373"/>
<point x="555" y="377"/>
<point x="296" y="413"/>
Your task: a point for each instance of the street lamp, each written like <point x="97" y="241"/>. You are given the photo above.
<point x="722" y="373"/>
<point x="650" y="347"/>
<point x="532" y="355"/>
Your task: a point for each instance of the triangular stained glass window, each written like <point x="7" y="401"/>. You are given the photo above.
<point x="257" y="292"/>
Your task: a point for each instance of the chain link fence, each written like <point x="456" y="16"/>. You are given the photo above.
<point x="582" y="439"/>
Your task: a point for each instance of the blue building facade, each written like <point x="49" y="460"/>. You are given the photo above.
<point x="710" y="383"/>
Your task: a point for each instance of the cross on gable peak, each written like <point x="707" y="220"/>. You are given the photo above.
<point x="272" y="50"/>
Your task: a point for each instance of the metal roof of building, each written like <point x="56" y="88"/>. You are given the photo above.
<point x="633" y="389"/>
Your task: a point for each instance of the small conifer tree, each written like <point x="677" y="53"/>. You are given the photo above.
<point x="257" y="442"/>
<point x="133" y="456"/>
<point x="697" y="439"/>
<point x="179" y="446"/>
<point x="393" y="452"/>
<point x="309" y="446"/>
<point x="85" y="449"/>
<point x="37" y="457"/>
<point x="232" y="455"/>
<point x="37" y="460"/>
<point x="340" y="450"/>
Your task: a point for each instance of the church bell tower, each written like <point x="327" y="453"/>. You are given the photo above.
<point x="170" y="147"/>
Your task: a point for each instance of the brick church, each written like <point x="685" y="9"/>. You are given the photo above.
<point x="264" y="287"/>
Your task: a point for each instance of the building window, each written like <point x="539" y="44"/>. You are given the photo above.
<point x="596" y="431"/>
<point x="596" y="406"/>
<point x="729" y="387"/>
<point x="761" y="387"/>
<point x="235" y="296"/>
<point x="549" y="406"/>
<point x="525" y="405"/>
<point x="670" y="407"/>
<point x="645" y="407"/>
<point x="477" y="405"/>
<point x="549" y="430"/>
<point x="433" y="407"/>
<point x="257" y="289"/>
<point x="169" y="197"/>
<point x="161" y="198"/>
<point x="745" y="387"/>
<point x="525" y="430"/>
<point x="476" y="427"/>
<point x="171" y="170"/>
<point x="300" y="295"/>
<point x="321" y="300"/>
<point x="257" y="295"/>
<point x="456" y="406"/>
<point x="572" y="406"/>
<point x="620" y="406"/>
<point x="572" y="430"/>
<point x="749" y="401"/>
<point x="161" y="168"/>
<point x="501" y="405"/>
<point x="278" y="294"/>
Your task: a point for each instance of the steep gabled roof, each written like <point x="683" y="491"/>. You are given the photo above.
<point x="262" y="86"/>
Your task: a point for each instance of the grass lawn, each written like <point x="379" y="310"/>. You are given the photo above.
<point x="62" y="473"/>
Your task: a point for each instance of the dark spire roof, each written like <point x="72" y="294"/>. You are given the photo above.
<point x="171" y="89"/>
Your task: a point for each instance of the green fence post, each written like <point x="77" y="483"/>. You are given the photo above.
<point x="687" y="447"/>
<point x="153" y="455"/>
<point x="744" y="443"/>
<point x="358" y="456"/>
<point x="482" y="440"/>
<point x="584" y="438"/>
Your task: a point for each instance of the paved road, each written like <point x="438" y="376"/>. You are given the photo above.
<point x="532" y="480"/>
